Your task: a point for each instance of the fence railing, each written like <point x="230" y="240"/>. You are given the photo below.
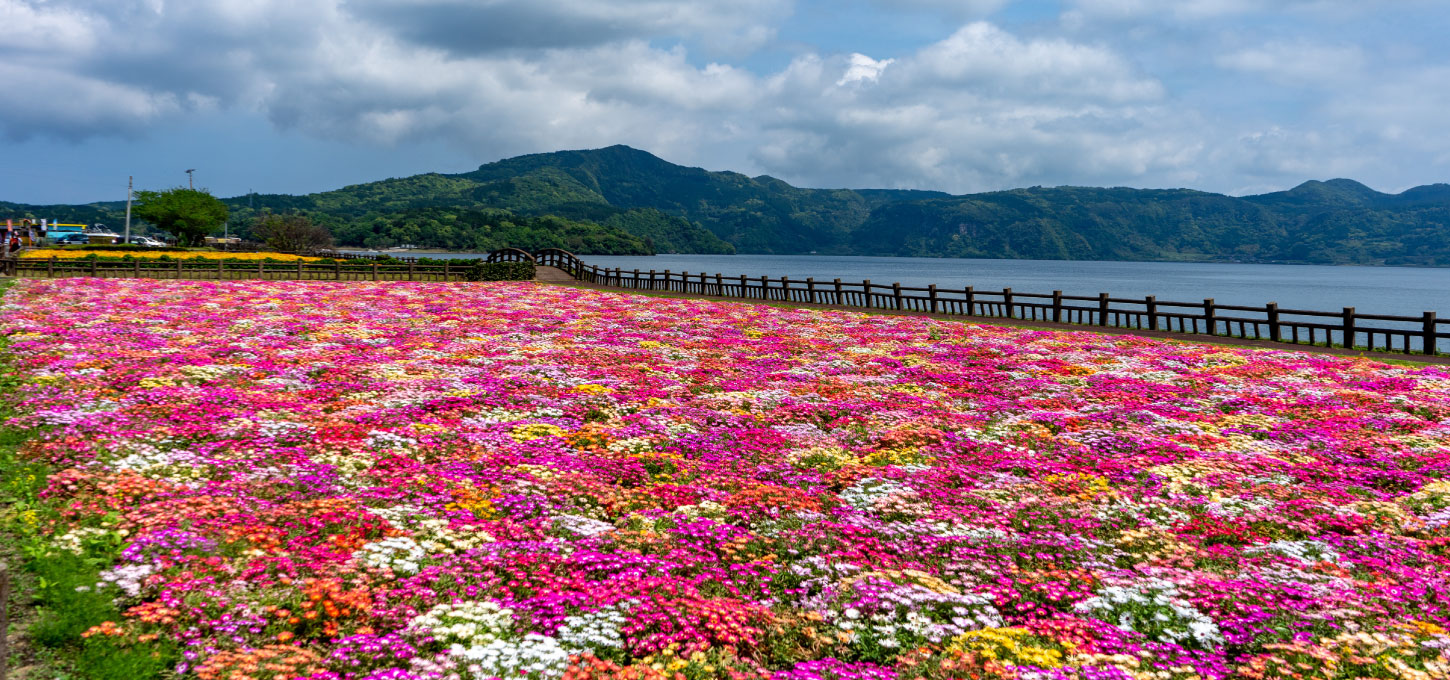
<point x="224" y="270"/>
<point x="350" y="255"/>
<point x="1424" y="334"/>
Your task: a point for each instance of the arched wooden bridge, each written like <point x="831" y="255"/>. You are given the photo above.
<point x="552" y="264"/>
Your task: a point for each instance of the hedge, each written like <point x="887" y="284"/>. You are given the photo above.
<point x="500" y="271"/>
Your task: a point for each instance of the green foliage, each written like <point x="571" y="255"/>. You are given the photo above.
<point x="667" y="233"/>
<point x="620" y="200"/>
<point x="291" y="232"/>
<point x="500" y="271"/>
<point x="69" y="601"/>
<point x="488" y="230"/>
<point x="105" y="659"/>
<point x="188" y="214"/>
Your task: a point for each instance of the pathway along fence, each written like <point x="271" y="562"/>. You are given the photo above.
<point x="1424" y="334"/>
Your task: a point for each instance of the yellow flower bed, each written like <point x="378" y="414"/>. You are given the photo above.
<point x="45" y="253"/>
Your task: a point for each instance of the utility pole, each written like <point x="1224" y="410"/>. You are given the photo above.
<point x="129" y="182"/>
<point x="189" y="183"/>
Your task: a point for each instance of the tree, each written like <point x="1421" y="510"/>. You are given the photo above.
<point x="187" y="214"/>
<point x="292" y="233"/>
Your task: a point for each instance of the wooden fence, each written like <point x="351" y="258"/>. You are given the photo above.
<point x="226" y="271"/>
<point x="1424" y="334"/>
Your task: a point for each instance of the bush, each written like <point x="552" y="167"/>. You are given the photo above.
<point x="69" y="600"/>
<point x="103" y="659"/>
<point x="500" y="271"/>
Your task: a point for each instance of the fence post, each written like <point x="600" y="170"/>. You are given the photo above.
<point x="220" y="269"/>
<point x="719" y="284"/>
<point x="764" y="287"/>
<point x="447" y="275"/>
<point x="684" y="282"/>
<point x="1210" y="316"/>
<point x="410" y="269"/>
<point x="896" y="293"/>
<point x="50" y="268"/>
<point x="299" y="269"/>
<point x="931" y="291"/>
<point x="337" y="270"/>
<point x="1272" y="310"/>
<point x="1152" y="303"/>
<point x="136" y="269"/>
<point x="866" y="288"/>
<point x="1348" y="330"/>
<point x="839" y="295"/>
<point x="375" y="271"/>
<point x="93" y="267"/>
<point x="4" y="620"/>
<point x="1007" y="302"/>
<point x="178" y="268"/>
<point x="261" y="269"/>
<point x="1057" y="306"/>
<point x="784" y="289"/>
<point x="811" y="288"/>
<point x="1427" y="332"/>
<point x="667" y="280"/>
<point x="1102" y="309"/>
<point x="971" y="302"/>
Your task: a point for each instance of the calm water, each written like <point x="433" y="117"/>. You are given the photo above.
<point x="1374" y="290"/>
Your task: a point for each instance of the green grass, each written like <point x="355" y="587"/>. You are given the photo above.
<point x="53" y="601"/>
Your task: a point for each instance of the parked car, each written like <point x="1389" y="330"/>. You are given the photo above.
<point x="146" y="241"/>
<point x="72" y="240"/>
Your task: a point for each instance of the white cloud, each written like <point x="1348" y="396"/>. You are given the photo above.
<point x="474" y="27"/>
<point x="863" y="69"/>
<point x="1193" y="10"/>
<point x="987" y="58"/>
<point x="987" y="106"/>
<point x="1300" y="63"/>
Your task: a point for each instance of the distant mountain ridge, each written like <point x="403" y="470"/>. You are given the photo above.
<point x="616" y="197"/>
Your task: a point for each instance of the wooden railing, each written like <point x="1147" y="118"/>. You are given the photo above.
<point x="224" y="270"/>
<point x="1424" y="334"/>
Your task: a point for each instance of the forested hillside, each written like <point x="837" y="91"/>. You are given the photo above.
<point x="619" y="199"/>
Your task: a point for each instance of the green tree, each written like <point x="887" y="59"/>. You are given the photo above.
<point x="187" y="214"/>
<point x="291" y="233"/>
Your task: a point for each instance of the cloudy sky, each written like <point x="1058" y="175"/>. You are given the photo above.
<point x="294" y="96"/>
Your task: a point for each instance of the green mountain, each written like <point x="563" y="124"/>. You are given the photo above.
<point x="620" y="199"/>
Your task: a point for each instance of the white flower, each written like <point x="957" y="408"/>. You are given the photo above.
<point x="464" y="623"/>
<point x="399" y="554"/>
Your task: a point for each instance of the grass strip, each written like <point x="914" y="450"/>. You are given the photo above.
<point x="52" y="599"/>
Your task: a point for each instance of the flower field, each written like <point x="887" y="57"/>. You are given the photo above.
<point x="395" y="481"/>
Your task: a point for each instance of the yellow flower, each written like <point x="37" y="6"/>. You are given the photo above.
<point x="532" y="431"/>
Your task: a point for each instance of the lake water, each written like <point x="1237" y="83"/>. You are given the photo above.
<point x="1373" y="290"/>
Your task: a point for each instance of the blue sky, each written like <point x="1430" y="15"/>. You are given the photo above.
<point x="295" y="96"/>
